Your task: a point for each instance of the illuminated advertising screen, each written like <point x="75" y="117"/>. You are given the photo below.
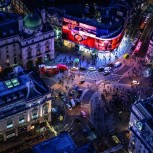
<point x="87" y="35"/>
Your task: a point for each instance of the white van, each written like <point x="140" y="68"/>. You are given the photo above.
<point x="72" y="102"/>
<point x="117" y="64"/>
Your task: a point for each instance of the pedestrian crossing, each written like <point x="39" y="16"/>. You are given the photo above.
<point x="95" y="75"/>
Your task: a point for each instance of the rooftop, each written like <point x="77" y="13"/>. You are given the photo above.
<point x="20" y="88"/>
<point x="145" y="107"/>
<point x="62" y="143"/>
<point x="8" y="24"/>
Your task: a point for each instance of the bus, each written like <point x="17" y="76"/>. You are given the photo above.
<point x="137" y="49"/>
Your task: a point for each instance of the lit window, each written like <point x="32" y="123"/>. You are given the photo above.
<point x="21" y="119"/>
<point x="9" y="123"/>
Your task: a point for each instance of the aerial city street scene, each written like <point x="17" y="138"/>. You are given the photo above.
<point x="76" y="76"/>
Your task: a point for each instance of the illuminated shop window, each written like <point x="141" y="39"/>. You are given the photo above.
<point x="9" y="123"/>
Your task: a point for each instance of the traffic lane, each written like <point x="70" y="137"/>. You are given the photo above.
<point x="125" y="80"/>
<point x="87" y="96"/>
<point x="49" y="81"/>
<point x="122" y="70"/>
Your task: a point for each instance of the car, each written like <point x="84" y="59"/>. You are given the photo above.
<point x="83" y="114"/>
<point x="83" y="68"/>
<point x="110" y="64"/>
<point x="117" y="64"/>
<point x="100" y="69"/>
<point x="68" y="106"/>
<point x="126" y="56"/>
<point x="106" y="72"/>
<point x="82" y="81"/>
<point x="135" y="82"/>
<point x="91" y="68"/>
<point x="107" y="68"/>
<point x="74" y="68"/>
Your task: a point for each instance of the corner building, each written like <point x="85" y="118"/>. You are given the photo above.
<point x="141" y="127"/>
<point x="25" y="104"/>
<point x="28" y="41"/>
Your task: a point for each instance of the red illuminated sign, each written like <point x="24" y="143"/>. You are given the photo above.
<point x="87" y="35"/>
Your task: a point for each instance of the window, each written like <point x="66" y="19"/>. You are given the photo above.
<point x="15" y="61"/>
<point x="45" y="109"/>
<point x="13" y="45"/>
<point x="38" y="52"/>
<point x="35" y="113"/>
<point x="9" y="123"/>
<point x="7" y="56"/>
<point x="6" y="51"/>
<point x="21" y="119"/>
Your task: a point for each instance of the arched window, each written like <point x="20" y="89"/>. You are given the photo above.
<point x="9" y="123"/>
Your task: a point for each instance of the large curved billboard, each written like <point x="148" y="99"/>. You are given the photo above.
<point x="89" y="36"/>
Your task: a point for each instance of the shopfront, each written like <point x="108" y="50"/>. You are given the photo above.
<point x="86" y="50"/>
<point x="68" y="44"/>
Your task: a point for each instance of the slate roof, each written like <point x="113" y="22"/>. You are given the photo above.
<point x="8" y="24"/>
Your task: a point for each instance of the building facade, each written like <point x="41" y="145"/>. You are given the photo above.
<point x="149" y="55"/>
<point x="141" y="126"/>
<point x="24" y="104"/>
<point x="28" y="41"/>
<point x="91" y="26"/>
<point x="5" y="5"/>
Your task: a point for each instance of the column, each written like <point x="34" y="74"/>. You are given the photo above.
<point x="49" y="110"/>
